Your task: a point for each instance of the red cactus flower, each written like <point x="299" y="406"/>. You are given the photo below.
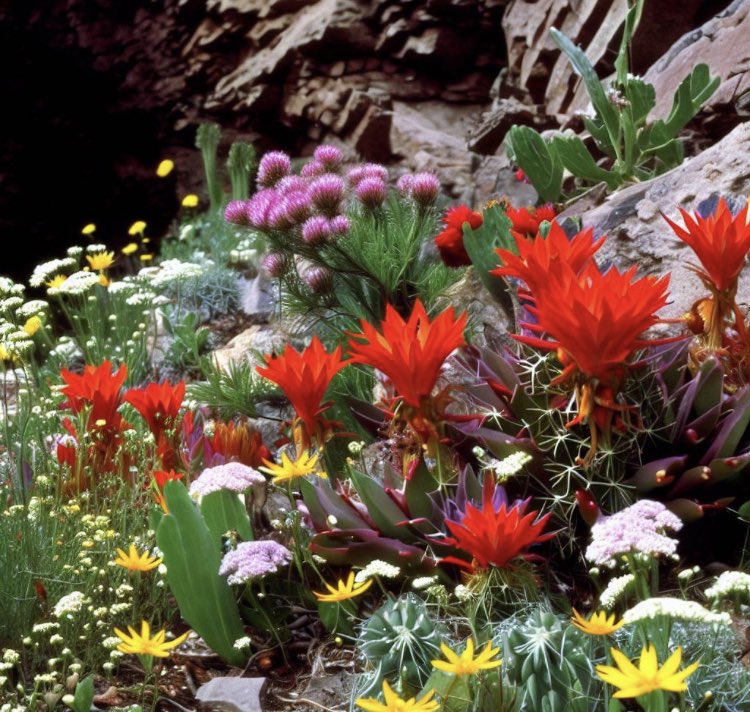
<point x="304" y="377"/>
<point x="450" y="241"/>
<point x="527" y="220"/>
<point x="410" y="353"/>
<point x="161" y="477"/>
<point x="721" y="242"/>
<point x="539" y="257"/>
<point x="494" y="536"/>
<point x="239" y="443"/>
<point x="98" y="387"/>
<point x="159" y="404"/>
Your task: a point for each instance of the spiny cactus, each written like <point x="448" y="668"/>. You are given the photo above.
<point x="241" y="162"/>
<point x="207" y="140"/>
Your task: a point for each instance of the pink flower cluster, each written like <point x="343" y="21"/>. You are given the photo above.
<point x="254" y="559"/>
<point x="640" y="528"/>
<point x="233" y="476"/>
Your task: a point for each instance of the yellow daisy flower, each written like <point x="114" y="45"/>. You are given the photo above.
<point x="56" y="281"/>
<point x="133" y="561"/>
<point x="636" y="681"/>
<point x="394" y="703"/>
<point x="144" y="644"/>
<point x="32" y="325"/>
<point x="190" y="201"/>
<point x="305" y="464"/>
<point x="597" y="624"/>
<point x="165" y="168"/>
<point x="137" y="228"/>
<point x="146" y="258"/>
<point x="89" y="229"/>
<point x="101" y="260"/>
<point x="343" y="591"/>
<point x="130" y="248"/>
<point x="466" y="663"/>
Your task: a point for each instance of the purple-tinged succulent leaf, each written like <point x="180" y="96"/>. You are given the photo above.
<point x="658" y="473"/>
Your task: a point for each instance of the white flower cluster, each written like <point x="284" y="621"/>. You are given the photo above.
<point x="730" y="583"/>
<point x="675" y="608"/>
<point x="69" y="604"/>
<point x="510" y="465"/>
<point x="47" y="270"/>
<point x="32" y="308"/>
<point x="173" y="272"/>
<point x="615" y="590"/>
<point x="78" y="283"/>
<point x="378" y="568"/>
<point x="242" y="643"/>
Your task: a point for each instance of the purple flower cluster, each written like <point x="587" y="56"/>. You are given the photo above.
<point x="233" y="476"/>
<point x="254" y="559"/>
<point x="422" y="188"/>
<point x="640" y="528"/>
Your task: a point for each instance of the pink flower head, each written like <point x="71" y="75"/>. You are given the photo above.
<point x="329" y="156"/>
<point x="236" y="212"/>
<point x="371" y="192"/>
<point x="254" y="560"/>
<point x="340" y="225"/>
<point x="312" y="169"/>
<point x="291" y="184"/>
<point x="272" y="168"/>
<point x="259" y="208"/>
<point x="274" y="263"/>
<point x="327" y="192"/>
<point x="425" y="188"/>
<point x="277" y="216"/>
<point x="318" y="279"/>
<point x="297" y="207"/>
<point x="233" y="476"/>
<point x="316" y="230"/>
<point x="404" y="184"/>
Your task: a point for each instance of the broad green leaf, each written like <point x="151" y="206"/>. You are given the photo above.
<point x="656" y="141"/>
<point x="417" y="491"/>
<point x="454" y="691"/>
<point x="692" y="93"/>
<point x="577" y="159"/>
<point x="641" y="97"/>
<point x="632" y="19"/>
<point x="223" y="512"/>
<point x="84" y="695"/>
<point x="538" y="160"/>
<point x="599" y="132"/>
<point x="192" y="558"/>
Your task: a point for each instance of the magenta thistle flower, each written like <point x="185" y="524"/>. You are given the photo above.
<point x="236" y="212"/>
<point x="253" y="560"/>
<point x="312" y="169"/>
<point x="424" y="188"/>
<point x="297" y="207"/>
<point x="291" y="184"/>
<point x="329" y="156"/>
<point x="277" y="217"/>
<point x="340" y="225"/>
<point x="318" y="279"/>
<point x="259" y="207"/>
<point x="316" y="230"/>
<point x="404" y="184"/>
<point x="371" y="192"/>
<point x="233" y="476"/>
<point x="275" y="264"/>
<point x="272" y="168"/>
<point x="368" y="170"/>
<point x="327" y="192"/>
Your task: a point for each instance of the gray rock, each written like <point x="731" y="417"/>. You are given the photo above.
<point x="233" y="694"/>
<point x="257" y="297"/>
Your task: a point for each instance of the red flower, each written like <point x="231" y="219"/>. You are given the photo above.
<point x="161" y="477"/>
<point x="539" y="257"/>
<point x="159" y="404"/>
<point x="450" y="241"/>
<point x="410" y="353"/>
<point x="721" y="242"/>
<point x="495" y="536"/>
<point x="239" y="443"/>
<point x="98" y="387"/>
<point x="527" y="220"/>
<point x="304" y="377"/>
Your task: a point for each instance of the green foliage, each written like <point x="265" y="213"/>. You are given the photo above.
<point x="84" y="695"/>
<point x="628" y="146"/>
<point x="241" y="162"/>
<point x="188" y="344"/>
<point x="207" y="140"/>
<point x="192" y="557"/>
<point x="211" y="294"/>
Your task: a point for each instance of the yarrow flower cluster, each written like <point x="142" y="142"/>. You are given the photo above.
<point x="69" y="604"/>
<point x="639" y="528"/>
<point x="378" y="568"/>
<point x="254" y="559"/>
<point x="615" y="590"/>
<point x="729" y="584"/>
<point x="675" y="608"/>
<point x="233" y="476"/>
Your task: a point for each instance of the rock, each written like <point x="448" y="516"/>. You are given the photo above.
<point x="250" y="345"/>
<point x="490" y="133"/>
<point x="637" y="234"/>
<point x="234" y="694"/>
<point x="257" y="297"/>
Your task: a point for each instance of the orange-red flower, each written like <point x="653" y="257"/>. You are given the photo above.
<point x="304" y="377"/>
<point x="410" y="353"/>
<point x="495" y="535"/>
<point x="450" y="241"/>
<point x="159" y="404"/>
<point x="721" y="242"/>
<point x="98" y="387"/>
<point x="527" y="220"/>
<point x="539" y="257"/>
<point x="160" y="478"/>
<point x="239" y="443"/>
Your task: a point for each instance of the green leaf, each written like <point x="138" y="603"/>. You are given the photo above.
<point x="631" y="23"/>
<point x="577" y="159"/>
<point x="599" y="132"/>
<point x="454" y="691"/>
<point x="594" y="87"/>
<point x="480" y="244"/>
<point x="417" y="491"/>
<point x="84" y="695"/>
<point x="642" y="99"/>
<point x="538" y="160"/>
<point x="192" y="558"/>
<point x="692" y="93"/>
<point x="656" y="140"/>
<point x="223" y="512"/>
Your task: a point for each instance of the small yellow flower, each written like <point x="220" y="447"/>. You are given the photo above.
<point x="133" y="561"/>
<point x="305" y="464"/>
<point x="103" y="280"/>
<point x="144" y="644"/>
<point x="146" y="240"/>
<point x="101" y="260"/>
<point x="394" y="703"/>
<point x="146" y="258"/>
<point x="56" y="281"/>
<point x="466" y="663"/>
<point x="190" y="201"/>
<point x="89" y="229"/>
<point x="343" y="591"/>
<point x="164" y="168"/>
<point x="6" y="354"/>
<point x="32" y="325"/>
<point x="597" y="624"/>
<point x="130" y="248"/>
<point x="137" y="228"/>
<point x="636" y="681"/>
